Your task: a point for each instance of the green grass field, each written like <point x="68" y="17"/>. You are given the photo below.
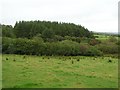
<point x="21" y="71"/>
<point x="102" y="37"/>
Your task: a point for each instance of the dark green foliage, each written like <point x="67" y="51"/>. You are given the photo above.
<point x="109" y="60"/>
<point x="92" y="51"/>
<point x="108" y="48"/>
<point x="67" y="48"/>
<point x="14" y="60"/>
<point x="72" y="62"/>
<point x="78" y="59"/>
<point x="87" y="50"/>
<point x="47" y="33"/>
<point x="53" y="38"/>
<point x="118" y="42"/>
<point x="6" y="58"/>
<point x="58" y="38"/>
<point x="22" y="46"/>
<point x="112" y="39"/>
<point x="94" y="42"/>
<point x="7" y="31"/>
<point x="76" y="39"/>
<point x="24" y="57"/>
<point x="30" y="29"/>
<point x="83" y="48"/>
<point x="7" y="45"/>
<point x="38" y="47"/>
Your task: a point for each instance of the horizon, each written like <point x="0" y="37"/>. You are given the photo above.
<point x="65" y="22"/>
<point x="98" y="16"/>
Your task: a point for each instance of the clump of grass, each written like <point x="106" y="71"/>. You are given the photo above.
<point x="48" y="57"/>
<point x="14" y="60"/>
<point x="58" y="63"/>
<point x="102" y="57"/>
<point x="69" y="57"/>
<point x="24" y="57"/>
<point x="6" y="58"/>
<point x="72" y="62"/>
<point x="109" y="61"/>
<point x="59" y="57"/>
<point x="78" y="59"/>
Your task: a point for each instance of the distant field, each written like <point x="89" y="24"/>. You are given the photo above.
<point x="21" y="71"/>
<point x="102" y="37"/>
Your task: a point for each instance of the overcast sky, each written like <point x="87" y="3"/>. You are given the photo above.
<point x="96" y="15"/>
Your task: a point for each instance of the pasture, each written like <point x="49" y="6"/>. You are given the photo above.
<point x="25" y="71"/>
<point x="102" y="37"/>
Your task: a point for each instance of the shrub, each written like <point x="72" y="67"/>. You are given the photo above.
<point x="83" y="48"/>
<point x="118" y="42"/>
<point x="112" y="39"/>
<point x="108" y="48"/>
<point x="38" y="39"/>
<point x="93" y="51"/>
<point x="36" y="46"/>
<point x="7" y="45"/>
<point x="67" y="47"/>
<point x="76" y="39"/>
<point x="58" y="38"/>
<point x="94" y="42"/>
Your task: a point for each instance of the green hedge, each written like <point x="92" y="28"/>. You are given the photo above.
<point x="36" y="46"/>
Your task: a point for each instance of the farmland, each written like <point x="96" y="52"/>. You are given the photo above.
<point x="45" y="54"/>
<point x="26" y="71"/>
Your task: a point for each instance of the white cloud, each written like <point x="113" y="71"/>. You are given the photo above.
<point x="96" y="15"/>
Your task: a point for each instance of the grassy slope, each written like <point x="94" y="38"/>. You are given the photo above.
<point x="59" y="72"/>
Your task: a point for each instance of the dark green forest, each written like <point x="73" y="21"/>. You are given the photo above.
<point x="54" y="38"/>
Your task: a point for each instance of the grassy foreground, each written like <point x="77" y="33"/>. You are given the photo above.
<point x="21" y="71"/>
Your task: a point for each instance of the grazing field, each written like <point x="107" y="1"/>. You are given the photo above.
<point x="102" y="37"/>
<point x="20" y="71"/>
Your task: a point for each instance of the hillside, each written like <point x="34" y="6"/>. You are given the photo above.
<point x="29" y="29"/>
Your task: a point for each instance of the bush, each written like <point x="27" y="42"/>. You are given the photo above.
<point x="112" y="39"/>
<point x="118" y="42"/>
<point x="94" y="42"/>
<point x="58" y="38"/>
<point x="87" y="50"/>
<point x="36" y="46"/>
<point x="38" y="39"/>
<point x="76" y="39"/>
<point x="92" y="51"/>
<point x="108" y="48"/>
<point x="23" y="46"/>
<point x="67" y="48"/>
<point x="7" y="45"/>
<point x="83" y="48"/>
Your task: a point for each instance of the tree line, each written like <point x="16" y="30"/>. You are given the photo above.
<point x="47" y="29"/>
<point x="53" y="38"/>
<point x="39" y="47"/>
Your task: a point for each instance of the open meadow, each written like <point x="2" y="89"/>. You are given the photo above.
<point x="25" y="71"/>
